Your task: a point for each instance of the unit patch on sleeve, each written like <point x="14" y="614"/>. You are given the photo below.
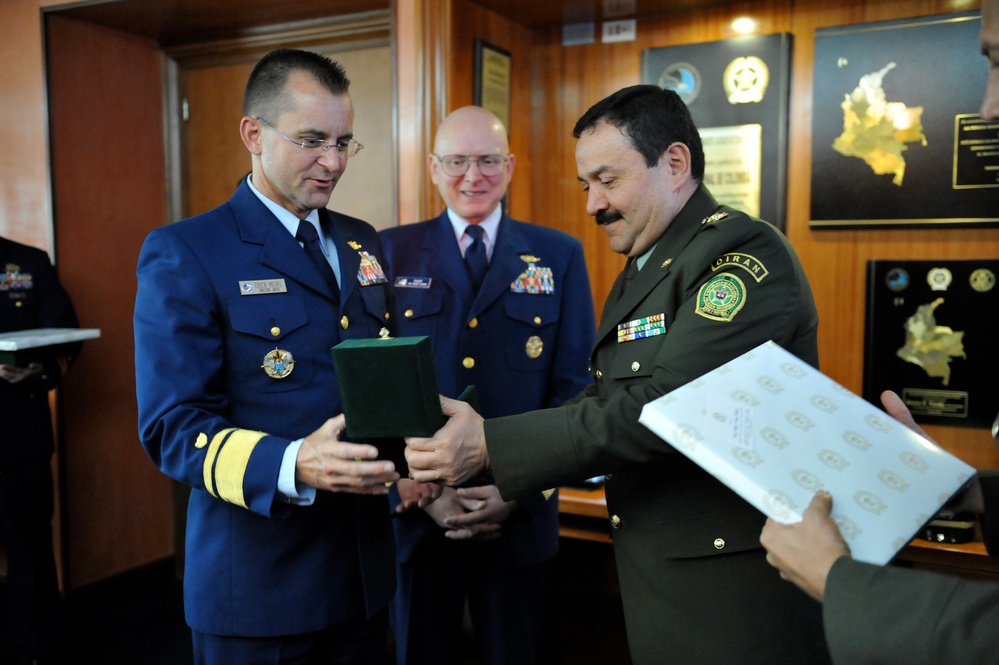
<point x="370" y="272"/>
<point x="748" y="263"/>
<point x="721" y="297"/>
<point x="648" y="326"/>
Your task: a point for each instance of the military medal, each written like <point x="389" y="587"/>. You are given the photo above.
<point x="278" y="364"/>
<point x="534" y="346"/>
<point x="939" y="279"/>
<point x="982" y="280"/>
<point x="535" y="280"/>
<point x="13" y="279"/>
<point x="370" y="271"/>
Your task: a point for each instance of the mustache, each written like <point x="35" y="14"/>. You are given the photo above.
<point x="606" y="217"/>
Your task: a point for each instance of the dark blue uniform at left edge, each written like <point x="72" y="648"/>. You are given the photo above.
<point x="212" y="418"/>
<point x="31" y="296"/>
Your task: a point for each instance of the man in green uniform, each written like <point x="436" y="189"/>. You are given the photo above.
<point x="703" y="284"/>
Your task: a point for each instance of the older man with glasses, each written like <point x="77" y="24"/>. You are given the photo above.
<point x="507" y="307"/>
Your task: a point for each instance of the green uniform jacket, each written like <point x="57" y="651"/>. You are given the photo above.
<point x="694" y="581"/>
<point x="876" y="614"/>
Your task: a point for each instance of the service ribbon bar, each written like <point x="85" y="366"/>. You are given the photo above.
<point x="648" y="326"/>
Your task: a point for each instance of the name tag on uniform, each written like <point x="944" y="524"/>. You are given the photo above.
<point x="413" y="282"/>
<point x="259" y="287"/>
<point x="648" y="326"/>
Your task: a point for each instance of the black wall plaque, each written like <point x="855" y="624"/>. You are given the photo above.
<point x="930" y="336"/>
<point x="933" y="63"/>
<point x="717" y="81"/>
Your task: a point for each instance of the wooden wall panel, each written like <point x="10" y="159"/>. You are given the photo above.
<point x="435" y="55"/>
<point x="25" y="209"/>
<point x="109" y="182"/>
<point x="422" y="50"/>
<point x="470" y="21"/>
<point x="570" y="79"/>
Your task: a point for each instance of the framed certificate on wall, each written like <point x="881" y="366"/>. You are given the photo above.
<point x="492" y="85"/>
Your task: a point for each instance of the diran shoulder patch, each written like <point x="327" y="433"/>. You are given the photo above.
<point x="721" y="297"/>
<point x="747" y="262"/>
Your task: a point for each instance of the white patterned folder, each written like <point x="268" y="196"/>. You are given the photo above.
<point x="774" y="429"/>
<point x="36" y="337"/>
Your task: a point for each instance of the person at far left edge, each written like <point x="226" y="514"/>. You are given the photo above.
<point x="289" y="555"/>
<point x="31" y="296"/>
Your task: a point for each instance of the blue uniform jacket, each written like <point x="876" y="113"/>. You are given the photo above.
<point x="31" y="296"/>
<point x="210" y="417"/>
<point x="524" y="341"/>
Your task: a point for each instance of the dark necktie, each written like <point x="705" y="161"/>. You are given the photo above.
<point x="475" y="255"/>
<point x="308" y="236"/>
<point x="630" y="272"/>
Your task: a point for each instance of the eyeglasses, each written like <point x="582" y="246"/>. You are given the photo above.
<point x="456" y="165"/>
<point x="347" y="148"/>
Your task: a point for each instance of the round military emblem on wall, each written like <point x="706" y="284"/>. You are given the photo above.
<point x="683" y="79"/>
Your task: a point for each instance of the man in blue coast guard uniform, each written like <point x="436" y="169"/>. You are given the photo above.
<point x="508" y="308"/>
<point x="289" y="549"/>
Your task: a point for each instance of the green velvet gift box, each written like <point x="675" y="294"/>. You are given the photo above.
<point x="388" y="387"/>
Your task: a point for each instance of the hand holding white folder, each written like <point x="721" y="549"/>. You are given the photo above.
<point x="775" y="430"/>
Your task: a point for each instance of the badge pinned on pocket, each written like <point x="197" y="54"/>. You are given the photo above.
<point x="278" y="364"/>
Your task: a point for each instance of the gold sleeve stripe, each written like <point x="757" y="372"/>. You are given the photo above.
<point x="213" y="451"/>
<point x="230" y="465"/>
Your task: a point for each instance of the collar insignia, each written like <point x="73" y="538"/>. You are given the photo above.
<point x="714" y="218"/>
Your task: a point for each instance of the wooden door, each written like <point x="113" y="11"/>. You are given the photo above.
<point x="215" y="159"/>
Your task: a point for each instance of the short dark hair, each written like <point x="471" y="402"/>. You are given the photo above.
<point x="263" y="95"/>
<point x="653" y="118"/>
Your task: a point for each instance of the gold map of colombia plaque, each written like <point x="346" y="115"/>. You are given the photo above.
<point x="929" y="336"/>
<point x="895" y="136"/>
